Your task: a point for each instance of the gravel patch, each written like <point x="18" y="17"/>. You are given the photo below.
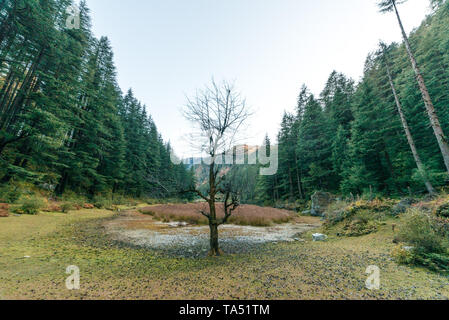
<point x="193" y="241"/>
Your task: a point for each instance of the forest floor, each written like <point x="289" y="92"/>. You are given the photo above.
<point x="36" y="250"/>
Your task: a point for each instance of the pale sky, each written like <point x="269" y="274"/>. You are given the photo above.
<point x="166" y="49"/>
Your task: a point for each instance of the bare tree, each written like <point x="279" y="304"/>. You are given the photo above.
<point x="218" y="112"/>
<point x="383" y="53"/>
<point x="391" y="5"/>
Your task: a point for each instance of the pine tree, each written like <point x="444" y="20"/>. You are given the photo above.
<point x="391" y="5"/>
<point x="384" y="56"/>
<point x="314" y="146"/>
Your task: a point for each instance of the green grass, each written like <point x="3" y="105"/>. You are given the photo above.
<point x="334" y="269"/>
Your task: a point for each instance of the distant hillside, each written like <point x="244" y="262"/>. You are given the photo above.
<point x="202" y="169"/>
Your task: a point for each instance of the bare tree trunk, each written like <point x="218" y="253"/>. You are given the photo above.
<point x="434" y="120"/>
<point x="298" y="181"/>
<point x="213" y="223"/>
<point x="219" y="113"/>
<point x="290" y="181"/>
<point x="411" y="142"/>
<point x="214" y="248"/>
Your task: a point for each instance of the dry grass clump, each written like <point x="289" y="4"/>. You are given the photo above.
<point x="246" y="215"/>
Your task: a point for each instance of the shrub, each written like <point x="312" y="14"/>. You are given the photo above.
<point x="357" y="214"/>
<point x="129" y="202"/>
<point x="101" y="203"/>
<point x="119" y="199"/>
<point x="11" y="193"/>
<point x="359" y="226"/>
<point x="402" y="255"/>
<point x="30" y="205"/>
<point x="337" y="212"/>
<point x="375" y="206"/>
<point x="443" y="210"/>
<point x="434" y="261"/>
<point x="76" y="200"/>
<point x="53" y="207"/>
<point x="9" y="196"/>
<point x="152" y="201"/>
<point x="66" y="207"/>
<point x="441" y="226"/>
<point x="428" y="235"/>
<point x="419" y="230"/>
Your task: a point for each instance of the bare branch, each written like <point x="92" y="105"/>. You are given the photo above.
<point x="218" y="113"/>
<point x="198" y="193"/>
<point x="204" y="213"/>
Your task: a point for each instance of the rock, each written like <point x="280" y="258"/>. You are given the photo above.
<point x="402" y="206"/>
<point x="408" y="248"/>
<point x="177" y="224"/>
<point x="319" y="237"/>
<point x="320" y="202"/>
<point x="307" y="212"/>
<point x="4" y="210"/>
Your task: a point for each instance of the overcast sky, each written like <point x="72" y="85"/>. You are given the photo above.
<point x="165" y="49"/>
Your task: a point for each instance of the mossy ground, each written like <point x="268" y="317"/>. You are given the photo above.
<point x="334" y="269"/>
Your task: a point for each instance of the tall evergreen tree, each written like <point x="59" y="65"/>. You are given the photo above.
<point x="391" y="5"/>
<point x="411" y="141"/>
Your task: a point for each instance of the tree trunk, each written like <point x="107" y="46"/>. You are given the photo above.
<point x="298" y="181"/>
<point x="214" y="248"/>
<point x="60" y="188"/>
<point x="410" y="140"/>
<point x="213" y="223"/>
<point x="434" y="120"/>
<point x="290" y="181"/>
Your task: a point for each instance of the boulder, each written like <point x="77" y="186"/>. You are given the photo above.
<point x="319" y="237"/>
<point x="320" y="202"/>
<point x="177" y="224"/>
<point x="4" y="210"/>
<point x="402" y="206"/>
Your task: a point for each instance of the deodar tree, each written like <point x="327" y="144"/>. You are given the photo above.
<point x="63" y="119"/>
<point x="218" y="113"/>
<point x="392" y="5"/>
<point x="383" y="53"/>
